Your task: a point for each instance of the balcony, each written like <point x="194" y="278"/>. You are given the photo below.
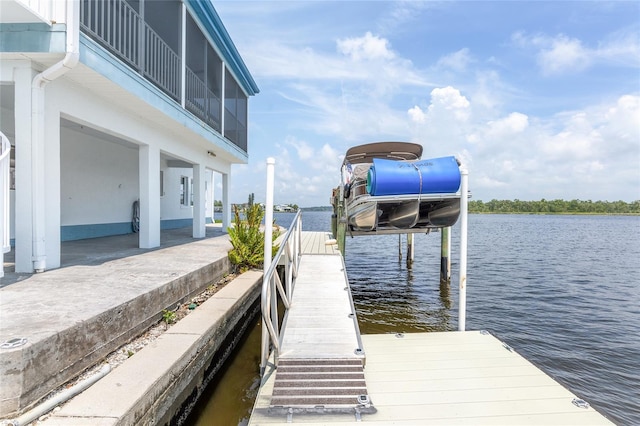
<point x="147" y="35"/>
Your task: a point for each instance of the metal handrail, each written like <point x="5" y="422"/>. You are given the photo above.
<point x="289" y="251"/>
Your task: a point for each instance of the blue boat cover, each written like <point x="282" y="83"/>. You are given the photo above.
<point x="432" y="176"/>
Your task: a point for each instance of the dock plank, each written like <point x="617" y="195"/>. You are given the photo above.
<point x="320" y="322"/>
<point x="316" y="243"/>
<point x="451" y="378"/>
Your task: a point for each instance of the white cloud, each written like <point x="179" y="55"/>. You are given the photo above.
<point x="513" y="123"/>
<point x="449" y="99"/>
<point x="368" y="47"/>
<point x="457" y="61"/>
<point x="274" y="59"/>
<point x="624" y="118"/>
<point x="562" y="54"/>
<point x="303" y="149"/>
<point x="300" y="179"/>
<point x="446" y="103"/>
<point x="621" y="47"/>
<point x="417" y="115"/>
<point x="588" y="152"/>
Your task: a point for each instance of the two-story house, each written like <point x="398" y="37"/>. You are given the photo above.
<point x="120" y="113"/>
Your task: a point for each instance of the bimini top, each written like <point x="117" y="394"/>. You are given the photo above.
<point x="390" y="150"/>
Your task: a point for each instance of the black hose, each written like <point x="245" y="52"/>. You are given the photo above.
<point x="135" y="220"/>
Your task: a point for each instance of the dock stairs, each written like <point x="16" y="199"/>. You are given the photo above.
<point x="321" y="365"/>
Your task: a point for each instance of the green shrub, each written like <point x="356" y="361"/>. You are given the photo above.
<point x="247" y="239"/>
<point x="169" y="317"/>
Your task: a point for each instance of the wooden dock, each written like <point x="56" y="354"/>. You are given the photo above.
<point x="318" y="243"/>
<point x="329" y="374"/>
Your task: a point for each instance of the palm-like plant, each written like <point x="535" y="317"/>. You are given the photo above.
<point x="247" y="239"/>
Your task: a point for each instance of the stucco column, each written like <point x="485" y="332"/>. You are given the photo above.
<point x="210" y="207"/>
<point x="226" y="204"/>
<point x="199" y="207"/>
<point x="52" y="180"/>
<point x="23" y="194"/>
<point x="149" y="175"/>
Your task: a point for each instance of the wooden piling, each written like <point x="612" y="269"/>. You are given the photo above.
<point x="445" y="255"/>
<point x="410" y="251"/>
<point x="338" y="220"/>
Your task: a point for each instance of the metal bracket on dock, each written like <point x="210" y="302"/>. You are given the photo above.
<point x="358" y="415"/>
<point x="580" y="403"/>
<point x="507" y="347"/>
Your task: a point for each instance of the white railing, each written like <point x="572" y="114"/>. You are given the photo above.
<point x="289" y="255"/>
<point x="5" y="160"/>
<point x="272" y="286"/>
<point x="162" y="65"/>
<point x="119" y="27"/>
<point x="47" y="10"/>
<point x="115" y="24"/>
<point x="462" y="289"/>
<point x="201" y="101"/>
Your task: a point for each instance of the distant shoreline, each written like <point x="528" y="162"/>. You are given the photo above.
<point x="561" y="213"/>
<point x="315" y="209"/>
<point x="510" y="207"/>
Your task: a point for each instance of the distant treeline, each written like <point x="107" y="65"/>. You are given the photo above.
<point x="317" y="209"/>
<point x="555" y="206"/>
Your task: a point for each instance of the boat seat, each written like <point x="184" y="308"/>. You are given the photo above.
<point x="358" y="185"/>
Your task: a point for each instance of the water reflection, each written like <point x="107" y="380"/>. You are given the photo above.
<point x="389" y="297"/>
<point x="229" y="399"/>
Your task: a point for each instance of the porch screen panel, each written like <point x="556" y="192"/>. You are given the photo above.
<point x="235" y="112"/>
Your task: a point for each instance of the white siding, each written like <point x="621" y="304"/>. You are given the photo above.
<point x="99" y="180"/>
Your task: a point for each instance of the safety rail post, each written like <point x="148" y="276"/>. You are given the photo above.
<point x="5" y="160"/>
<point x="462" y="295"/>
<point x="268" y="244"/>
<point x="272" y="286"/>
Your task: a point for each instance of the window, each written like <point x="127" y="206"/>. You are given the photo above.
<point x="185" y="191"/>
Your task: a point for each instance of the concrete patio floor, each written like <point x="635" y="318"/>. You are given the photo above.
<point x="94" y="251"/>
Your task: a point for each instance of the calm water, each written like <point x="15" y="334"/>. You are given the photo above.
<point x="564" y="291"/>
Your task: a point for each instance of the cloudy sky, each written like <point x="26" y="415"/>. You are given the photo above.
<point x="538" y="99"/>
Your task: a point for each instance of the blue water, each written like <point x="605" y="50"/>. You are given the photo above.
<point x="563" y="291"/>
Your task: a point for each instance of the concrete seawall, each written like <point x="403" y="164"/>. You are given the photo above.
<point x="71" y="318"/>
<point x="161" y="383"/>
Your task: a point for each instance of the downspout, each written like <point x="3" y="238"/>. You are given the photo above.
<point x="58" y="69"/>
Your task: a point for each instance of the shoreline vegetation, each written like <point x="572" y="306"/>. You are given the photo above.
<point x="577" y="207"/>
<point x="555" y="207"/>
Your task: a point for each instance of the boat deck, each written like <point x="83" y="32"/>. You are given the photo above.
<point x="439" y="378"/>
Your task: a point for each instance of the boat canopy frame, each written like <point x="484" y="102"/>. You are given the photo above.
<point x="391" y="150"/>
